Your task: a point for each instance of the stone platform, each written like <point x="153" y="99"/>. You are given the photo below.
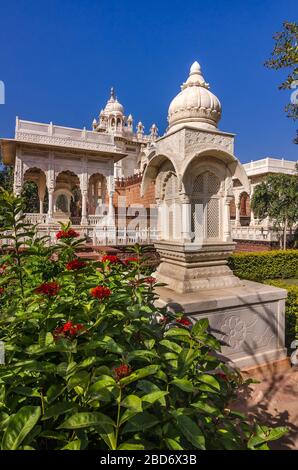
<point x="248" y="319"/>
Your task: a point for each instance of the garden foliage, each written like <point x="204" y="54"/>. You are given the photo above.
<point x="91" y="363"/>
<point x="257" y="266"/>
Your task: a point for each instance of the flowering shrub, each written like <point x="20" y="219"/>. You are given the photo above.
<point x="67" y="233"/>
<point x="90" y="363"/>
<point x="75" y="264"/>
<point x="100" y="292"/>
<point x="48" y="288"/>
<point x="112" y="259"/>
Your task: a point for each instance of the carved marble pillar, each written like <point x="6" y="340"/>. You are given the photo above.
<point x="237" y="206"/>
<point x="186" y="234"/>
<point x="50" y="181"/>
<point x="227" y="219"/>
<point x="50" y="209"/>
<point x="41" y="193"/>
<point x="111" y="190"/>
<point x="84" y="192"/>
<point x="84" y="219"/>
<point x="18" y="176"/>
<point x="252" y="216"/>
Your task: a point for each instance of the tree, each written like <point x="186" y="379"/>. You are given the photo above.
<point x="285" y="55"/>
<point x="277" y="198"/>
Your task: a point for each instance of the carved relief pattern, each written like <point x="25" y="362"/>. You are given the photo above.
<point x="66" y="142"/>
<point x="197" y="140"/>
<point x="18" y="176"/>
<point x="242" y="332"/>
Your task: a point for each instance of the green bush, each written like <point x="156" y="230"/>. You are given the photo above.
<point x="291" y="309"/>
<point x="91" y="363"/>
<point x="257" y="266"/>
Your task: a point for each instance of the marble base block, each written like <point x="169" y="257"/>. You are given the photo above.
<point x="187" y="267"/>
<point x="248" y="319"/>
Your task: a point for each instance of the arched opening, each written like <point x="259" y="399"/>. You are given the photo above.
<point x="244" y="209"/>
<point x="113" y="123"/>
<point x="67" y="197"/>
<point x="97" y="189"/>
<point x="34" y="191"/>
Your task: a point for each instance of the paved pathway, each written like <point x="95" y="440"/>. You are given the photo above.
<point x="274" y="401"/>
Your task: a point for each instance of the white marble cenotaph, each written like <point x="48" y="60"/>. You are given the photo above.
<point x="194" y="168"/>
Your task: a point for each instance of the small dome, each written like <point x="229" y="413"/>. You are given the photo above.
<point x="113" y="105"/>
<point x="195" y="105"/>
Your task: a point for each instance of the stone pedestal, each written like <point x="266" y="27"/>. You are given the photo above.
<point x="189" y="267"/>
<point x="248" y="319"/>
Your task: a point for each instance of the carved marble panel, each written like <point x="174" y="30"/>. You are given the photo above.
<point x="198" y="140"/>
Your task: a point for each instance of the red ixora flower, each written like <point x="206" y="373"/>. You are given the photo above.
<point x="70" y="233"/>
<point x="183" y="321"/>
<point x="113" y="259"/>
<point x="149" y="280"/>
<point x="68" y="330"/>
<point x="48" y="288"/>
<point x="2" y="290"/>
<point x="100" y="292"/>
<point x="122" y="371"/>
<point x="131" y="260"/>
<point x="75" y="264"/>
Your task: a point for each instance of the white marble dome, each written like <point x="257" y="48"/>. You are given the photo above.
<point x="113" y="106"/>
<point x="195" y="105"/>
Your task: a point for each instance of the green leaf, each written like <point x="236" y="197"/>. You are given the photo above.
<point x="191" y="431"/>
<point x="130" y="445"/>
<point x="107" y="433"/>
<point x="85" y="420"/>
<point x="149" y="343"/>
<point x="79" y="378"/>
<point x="152" y="397"/>
<point x="204" y="407"/>
<point x="172" y="444"/>
<point x="139" y="374"/>
<point x="110" y="345"/>
<point x="54" y="391"/>
<point x="141" y="422"/>
<point x="183" y="384"/>
<point x="102" y="382"/>
<point x="19" y="426"/>
<point x="171" y="346"/>
<point x="128" y="414"/>
<point x="185" y="360"/>
<point x="141" y="354"/>
<point x="200" y="327"/>
<point x="209" y="380"/>
<point x="73" y="445"/>
<point x="182" y="333"/>
<point x="133" y="402"/>
<point x="265" y="434"/>
<point x="58" y="409"/>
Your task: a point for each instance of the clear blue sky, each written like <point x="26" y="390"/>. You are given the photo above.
<point x="58" y="60"/>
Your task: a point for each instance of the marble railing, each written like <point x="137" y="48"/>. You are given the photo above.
<point x="98" y="235"/>
<point x="35" y="218"/>
<point x="252" y="232"/>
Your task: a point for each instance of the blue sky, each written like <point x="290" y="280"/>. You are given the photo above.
<point x="58" y="60"/>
